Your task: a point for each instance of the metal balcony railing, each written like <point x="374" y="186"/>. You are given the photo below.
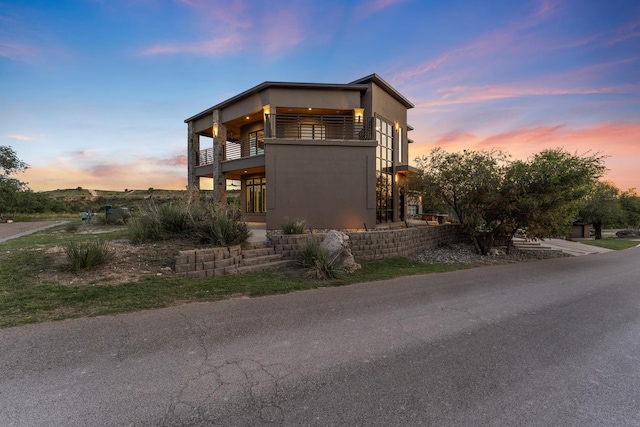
<point x="303" y="126"/>
<point x="296" y="126"/>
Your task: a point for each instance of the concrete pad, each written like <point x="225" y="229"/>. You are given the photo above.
<point x="573" y="248"/>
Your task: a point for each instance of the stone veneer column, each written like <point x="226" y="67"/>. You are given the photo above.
<point x="193" y="148"/>
<point x="219" y="179"/>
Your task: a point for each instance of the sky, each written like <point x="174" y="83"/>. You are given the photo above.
<point x="94" y="93"/>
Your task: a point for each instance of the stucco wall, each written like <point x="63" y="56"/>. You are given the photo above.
<point x="328" y="183"/>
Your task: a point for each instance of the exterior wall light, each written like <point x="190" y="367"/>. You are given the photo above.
<point x="215" y="130"/>
<point x="358" y="114"/>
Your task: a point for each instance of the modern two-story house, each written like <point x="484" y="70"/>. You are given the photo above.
<point x="333" y="154"/>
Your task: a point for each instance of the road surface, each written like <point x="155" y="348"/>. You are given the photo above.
<point x="546" y="343"/>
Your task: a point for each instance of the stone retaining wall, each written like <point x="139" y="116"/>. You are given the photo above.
<point x="210" y="262"/>
<point x="379" y="244"/>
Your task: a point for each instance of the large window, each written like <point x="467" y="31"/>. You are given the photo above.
<point x="384" y="170"/>
<point x="256" y="189"/>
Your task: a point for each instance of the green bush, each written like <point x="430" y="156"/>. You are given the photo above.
<point x="223" y="229"/>
<point x="172" y="218"/>
<point x="86" y="255"/>
<point x="196" y="221"/>
<point x="293" y="225"/>
<point x="317" y="262"/>
<point x="71" y="227"/>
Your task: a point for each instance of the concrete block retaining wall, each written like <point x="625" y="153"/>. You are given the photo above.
<point x="213" y="262"/>
<point x="210" y="262"/>
<point x="379" y="244"/>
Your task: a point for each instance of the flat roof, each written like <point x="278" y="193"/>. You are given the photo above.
<point x="358" y="85"/>
<point x="285" y="85"/>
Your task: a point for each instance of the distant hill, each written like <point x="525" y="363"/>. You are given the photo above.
<point x="82" y="199"/>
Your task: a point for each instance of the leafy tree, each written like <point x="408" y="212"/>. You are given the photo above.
<point x="494" y="197"/>
<point x="630" y="205"/>
<point x="10" y="187"/>
<point x="601" y="207"/>
<point x="469" y="183"/>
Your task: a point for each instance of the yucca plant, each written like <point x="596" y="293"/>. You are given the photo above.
<point x="223" y="229"/>
<point x="317" y="262"/>
<point x="84" y="255"/>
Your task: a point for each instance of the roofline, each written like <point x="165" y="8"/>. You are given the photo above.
<point x="387" y="87"/>
<point x="266" y="85"/>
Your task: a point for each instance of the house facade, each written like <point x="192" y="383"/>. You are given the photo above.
<point x="333" y="154"/>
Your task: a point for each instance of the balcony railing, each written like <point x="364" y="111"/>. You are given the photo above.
<point x="302" y="126"/>
<point x="295" y="126"/>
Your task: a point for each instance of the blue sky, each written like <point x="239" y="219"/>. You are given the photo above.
<point x="94" y="93"/>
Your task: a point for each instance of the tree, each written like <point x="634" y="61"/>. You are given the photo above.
<point x="601" y="207"/>
<point x="494" y="197"/>
<point x="630" y="205"/>
<point x="10" y="187"/>
<point x="469" y="183"/>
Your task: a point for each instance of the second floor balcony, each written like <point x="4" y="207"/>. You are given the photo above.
<point x="296" y="127"/>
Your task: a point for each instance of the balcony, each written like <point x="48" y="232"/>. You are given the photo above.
<point x="298" y="127"/>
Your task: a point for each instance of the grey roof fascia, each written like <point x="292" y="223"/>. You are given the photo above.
<point x="387" y="87"/>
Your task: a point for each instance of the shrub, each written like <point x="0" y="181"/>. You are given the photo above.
<point x="172" y="218"/>
<point x="86" y="255"/>
<point x="71" y="227"/>
<point x="293" y="225"/>
<point x="318" y="263"/>
<point x="223" y="229"/>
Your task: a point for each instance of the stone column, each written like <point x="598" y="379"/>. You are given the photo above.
<point x="219" y="179"/>
<point x="193" y="152"/>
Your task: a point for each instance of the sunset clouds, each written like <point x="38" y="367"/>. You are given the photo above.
<point x="94" y="94"/>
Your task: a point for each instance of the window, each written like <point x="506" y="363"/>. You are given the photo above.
<point x="256" y="189"/>
<point x="384" y="170"/>
<point x="400" y="145"/>
<point x="256" y="142"/>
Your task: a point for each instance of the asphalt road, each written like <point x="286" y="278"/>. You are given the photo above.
<point x="548" y="343"/>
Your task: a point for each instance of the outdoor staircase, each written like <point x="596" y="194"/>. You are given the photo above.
<point x="260" y="256"/>
<point x="536" y="245"/>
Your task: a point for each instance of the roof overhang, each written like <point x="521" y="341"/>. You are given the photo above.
<point x="282" y="85"/>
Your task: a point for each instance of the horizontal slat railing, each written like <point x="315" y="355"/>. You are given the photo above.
<point x="302" y="126"/>
<point x="296" y="126"/>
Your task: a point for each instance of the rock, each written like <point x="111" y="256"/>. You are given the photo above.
<point x="627" y="233"/>
<point x="496" y="252"/>
<point x="336" y="244"/>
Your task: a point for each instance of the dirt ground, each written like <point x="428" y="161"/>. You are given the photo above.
<point x="129" y="262"/>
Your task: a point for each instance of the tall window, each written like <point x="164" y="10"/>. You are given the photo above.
<point x="256" y="142"/>
<point x="400" y="145"/>
<point x="256" y="189"/>
<point x="384" y="171"/>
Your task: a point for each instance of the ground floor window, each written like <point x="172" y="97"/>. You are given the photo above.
<point x="256" y="189"/>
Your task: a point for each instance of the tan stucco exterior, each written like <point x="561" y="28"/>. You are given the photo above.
<point x="326" y="174"/>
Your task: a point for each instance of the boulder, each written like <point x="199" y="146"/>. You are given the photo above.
<point x="336" y="244"/>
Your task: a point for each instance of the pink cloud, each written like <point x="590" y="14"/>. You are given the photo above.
<point x="227" y="43"/>
<point x="243" y="27"/>
<point x="286" y="34"/>
<point x="19" y="137"/>
<point x="21" y="51"/>
<point x="106" y="177"/>
<point x="629" y="31"/>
